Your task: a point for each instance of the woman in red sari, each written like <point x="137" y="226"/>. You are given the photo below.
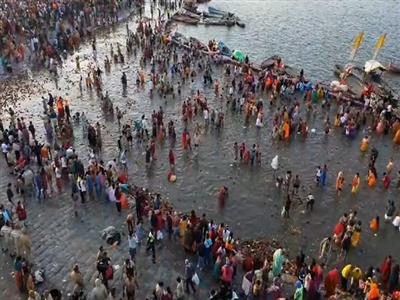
<point x="171" y="158"/>
<point x="184" y="139"/>
<point x="331" y="282"/>
<point x="385" y="269"/>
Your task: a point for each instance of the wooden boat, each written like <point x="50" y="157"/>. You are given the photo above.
<point x="270" y="62"/>
<point x="185" y="19"/>
<point x="197" y="44"/>
<point x="190" y="14"/>
<point x="215" y="11"/>
<point x="394" y="68"/>
<point x="219" y="22"/>
<point x="179" y="39"/>
<point x="210" y="15"/>
<point x="291" y="72"/>
<point x="191" y="8"/>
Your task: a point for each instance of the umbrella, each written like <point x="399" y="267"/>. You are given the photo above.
<point x="373" y="65"/>
<point x="238" y="55"/>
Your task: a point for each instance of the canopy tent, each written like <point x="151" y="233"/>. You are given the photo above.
<point x="373" y="66"/>
<point x="238" y="55"/>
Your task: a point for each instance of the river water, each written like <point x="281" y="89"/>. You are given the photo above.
<point x="313" y="35"/>
<point x="309" y="34"/>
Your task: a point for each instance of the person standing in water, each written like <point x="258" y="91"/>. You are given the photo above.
<point x="222" y="195"/>
<point x="286" y="207"/>
<point x="324" y="174"/>
<point x="339" y="183"/>
<point x="236" y="150"/>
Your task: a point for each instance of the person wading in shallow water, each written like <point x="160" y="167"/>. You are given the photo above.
<point x="222" y="195"/>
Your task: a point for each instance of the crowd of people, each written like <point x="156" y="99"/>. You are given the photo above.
<point x="43" y="169"/>
<point x="45" y="31"/>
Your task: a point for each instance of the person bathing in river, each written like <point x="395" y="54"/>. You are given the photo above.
<point x="339" y="183"/>
<point x="222" y="195"/>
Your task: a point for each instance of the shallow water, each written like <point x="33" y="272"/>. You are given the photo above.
<point x="254" y="204"/>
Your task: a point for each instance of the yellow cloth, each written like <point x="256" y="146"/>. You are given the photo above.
<point x="346" y="271"/>
<point x="355" y="238"/>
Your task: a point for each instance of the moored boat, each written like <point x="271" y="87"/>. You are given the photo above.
<point x="219" y="22"/>
<point x="393" y="68"/>
<point x="215" y="11"/>
<point x="185" y="19"/>
<point x="190" y="14"/>
<point x="270" y="62"/>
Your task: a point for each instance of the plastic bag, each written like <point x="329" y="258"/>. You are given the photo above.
<point x="275" y="162"/>
<point x="196" y="279"/>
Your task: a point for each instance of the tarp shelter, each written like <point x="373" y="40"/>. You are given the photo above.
<point x="373" y="66"/>
<point x="238" y="55"/>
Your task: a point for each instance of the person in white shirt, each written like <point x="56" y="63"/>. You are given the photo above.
<point x="180" y="289"/>
<point x="132" y="244"/>
<point x="206" y="118"/>
<point x="81" y="183"/>
<point x="4" y="150"/>
<point x="396" y="222"/>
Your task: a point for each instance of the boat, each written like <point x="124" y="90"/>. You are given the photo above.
<point x="270" y="62"/>
<point x="190" y="14"/>
<point x="190" y="7"/>
<point x="393" y="68"/>
<point x="210" y="15"/>
<point x="197" y="44"/>
<point x="223" y="49"/>
<point x="291" y="72"/>
<point x="215" y="11"/>
<point x="185" y="19"/>
<point x="179" y="39"/>
<point x="219" y="22"/>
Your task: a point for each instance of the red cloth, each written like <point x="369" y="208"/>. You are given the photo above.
<point x="331" y="282"/>
<point x="385" y="270"/>
<point x="339" y="229"/>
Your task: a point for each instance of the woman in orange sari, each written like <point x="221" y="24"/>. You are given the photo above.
<point x="364" y="144"/>
<point x="371" y="179"/>
<point x="374" y="225"/>
<point x="355" y="184"/>
<point x="286" y="130"/>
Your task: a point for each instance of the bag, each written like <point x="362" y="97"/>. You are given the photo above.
<point x="109" y="273"/>
<point x="159" y="235"/>
<point x="196" y="279"/>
